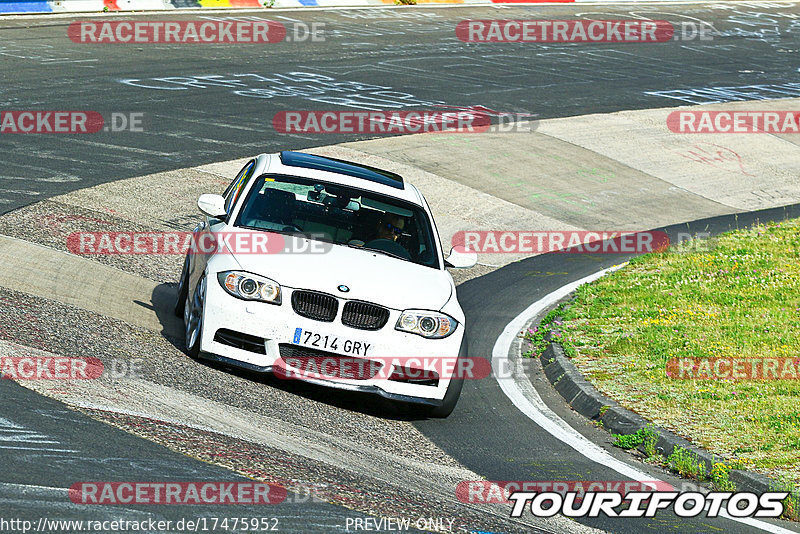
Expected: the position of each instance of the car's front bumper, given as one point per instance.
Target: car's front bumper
(328, 383)
(277, 324)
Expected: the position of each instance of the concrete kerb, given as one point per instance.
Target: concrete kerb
(63, 277)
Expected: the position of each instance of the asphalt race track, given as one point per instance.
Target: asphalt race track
(188, 122)
(209, 103)
(49, 463)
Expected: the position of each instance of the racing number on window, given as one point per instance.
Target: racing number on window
(235, 188)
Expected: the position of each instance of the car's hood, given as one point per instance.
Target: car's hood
(370, 276)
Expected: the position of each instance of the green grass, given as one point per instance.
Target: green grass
(738, 298)
(686, 464)
(646, 436)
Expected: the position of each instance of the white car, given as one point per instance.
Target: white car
(358, 275)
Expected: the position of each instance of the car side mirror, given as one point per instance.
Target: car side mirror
(212, 205)
(461, 260)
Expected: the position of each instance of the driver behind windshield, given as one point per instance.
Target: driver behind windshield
(390, 227)
(388, 230)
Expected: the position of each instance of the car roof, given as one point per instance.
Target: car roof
(343, 172)
(356, 170)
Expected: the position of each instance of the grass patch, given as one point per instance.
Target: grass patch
(719, 477)
(686, 464)
(738, 298)
(791, 503)
(552, 322)
(646, 437)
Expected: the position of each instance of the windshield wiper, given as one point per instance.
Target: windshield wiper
(298, 233)
(381, 252)
(273, 230)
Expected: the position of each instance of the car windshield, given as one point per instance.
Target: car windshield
(341, 215)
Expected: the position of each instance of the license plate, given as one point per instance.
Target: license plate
(307, 338)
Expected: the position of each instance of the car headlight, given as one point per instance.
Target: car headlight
(428, 324)
(248, 286)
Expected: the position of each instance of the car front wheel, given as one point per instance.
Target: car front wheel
(183, 289)
(193, 318)
(452, 394)
(450, 399)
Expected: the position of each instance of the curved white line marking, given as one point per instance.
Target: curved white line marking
(32, 488)
(525, 397)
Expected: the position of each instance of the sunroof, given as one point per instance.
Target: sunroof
(320, 163)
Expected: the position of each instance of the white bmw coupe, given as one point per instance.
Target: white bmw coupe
(326, 271)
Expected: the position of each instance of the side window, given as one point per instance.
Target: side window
(235, 188)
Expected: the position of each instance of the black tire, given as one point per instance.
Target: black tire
(193, 318)
(453, 390)
(183, 289)
(450, 400)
